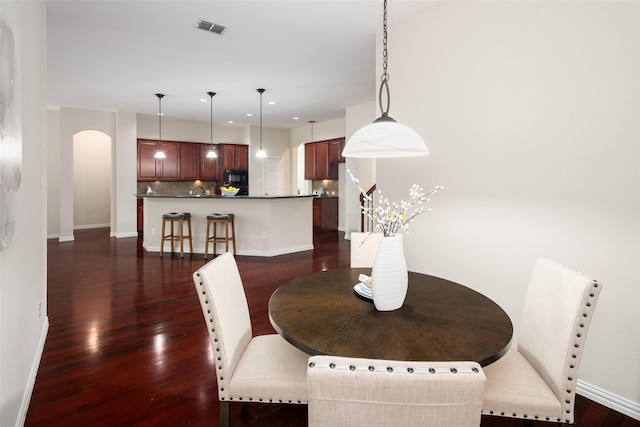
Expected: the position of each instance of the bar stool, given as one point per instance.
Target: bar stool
(178, 218)
(212, 221)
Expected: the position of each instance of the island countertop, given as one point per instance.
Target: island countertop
(194, 196)
(264, 225)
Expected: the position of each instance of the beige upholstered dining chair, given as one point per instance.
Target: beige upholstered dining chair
(537, 379)
(363, 251)
(264, 368)
(366, 392)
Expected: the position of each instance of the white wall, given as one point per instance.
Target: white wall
(23, 264)
(53, 172)
(174, 129)
(91, 180)
(530, 112)
(276, 144)
(124, 177)
(72, 121)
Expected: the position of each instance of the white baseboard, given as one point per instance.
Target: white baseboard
(66, 238)
(129, 234)
(608, 399)
(26, 398)
(200, 250)
(90, 226)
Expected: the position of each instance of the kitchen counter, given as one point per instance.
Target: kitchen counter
(193, 196)
(265, 225)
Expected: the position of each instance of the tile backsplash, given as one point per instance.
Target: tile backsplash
(176, 187)
(328, 185)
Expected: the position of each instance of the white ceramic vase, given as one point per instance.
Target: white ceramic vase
(389, 276)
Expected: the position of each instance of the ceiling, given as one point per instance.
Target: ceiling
(313, 57)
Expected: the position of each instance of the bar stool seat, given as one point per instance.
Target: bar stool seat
(176, 236)
(212, 222)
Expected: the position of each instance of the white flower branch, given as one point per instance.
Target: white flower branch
(389, 217)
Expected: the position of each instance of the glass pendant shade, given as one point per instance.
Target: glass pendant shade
(385, 138)
(160, 155)
(261, 154)
(212, 154)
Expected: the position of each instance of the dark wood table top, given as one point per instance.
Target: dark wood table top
(440, 320)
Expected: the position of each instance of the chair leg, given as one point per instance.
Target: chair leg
(224, 413)
(244, 409)
(162, 238)
(206, 241)
(233, 238)
(226, 235)
(215, 238)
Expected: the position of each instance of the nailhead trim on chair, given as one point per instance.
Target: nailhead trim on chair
(390, 369)
(204, 300)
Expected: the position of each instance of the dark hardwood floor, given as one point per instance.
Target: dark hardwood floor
(127, 344)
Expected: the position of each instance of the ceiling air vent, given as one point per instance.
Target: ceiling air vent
(211, 27)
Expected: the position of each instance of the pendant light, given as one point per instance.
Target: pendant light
(261, 153)
(159, 153)
(385, 137)
(212, 152)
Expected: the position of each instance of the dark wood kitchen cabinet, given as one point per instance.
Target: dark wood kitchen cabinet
(152, 169)
(325, 213)
(170, 166)
(190, 161)
(208, 166)
(234, 156)
(140, 215)
(242, 157)
(335, 150)
(316, 162)
(148, 165)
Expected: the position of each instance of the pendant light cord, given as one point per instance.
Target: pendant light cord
(261, 91)
(385, 61)
(211, 94)
(160, 96)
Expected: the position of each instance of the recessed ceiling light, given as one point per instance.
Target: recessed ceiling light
(272, 102)
(249, 115)
(203, 100)
(230, 122)
(211, 27)
(296, 118)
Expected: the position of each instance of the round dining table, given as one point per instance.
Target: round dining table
(320, 313)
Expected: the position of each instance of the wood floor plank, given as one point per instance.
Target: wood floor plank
(127, 344)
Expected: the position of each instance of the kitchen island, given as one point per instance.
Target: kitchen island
(265, 226)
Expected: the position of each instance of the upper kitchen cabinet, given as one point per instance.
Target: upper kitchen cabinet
(150, 168)
(148, 165)
(182, 161)
(208, 165)
(335, 150)
(234, 156)
(316, 162)
(170, 166)
(190, 161)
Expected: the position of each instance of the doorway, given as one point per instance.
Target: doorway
(91, 180)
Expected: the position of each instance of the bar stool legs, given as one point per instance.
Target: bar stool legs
(176, 236)
(212, 222)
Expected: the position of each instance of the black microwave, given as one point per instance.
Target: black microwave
(236, 178)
